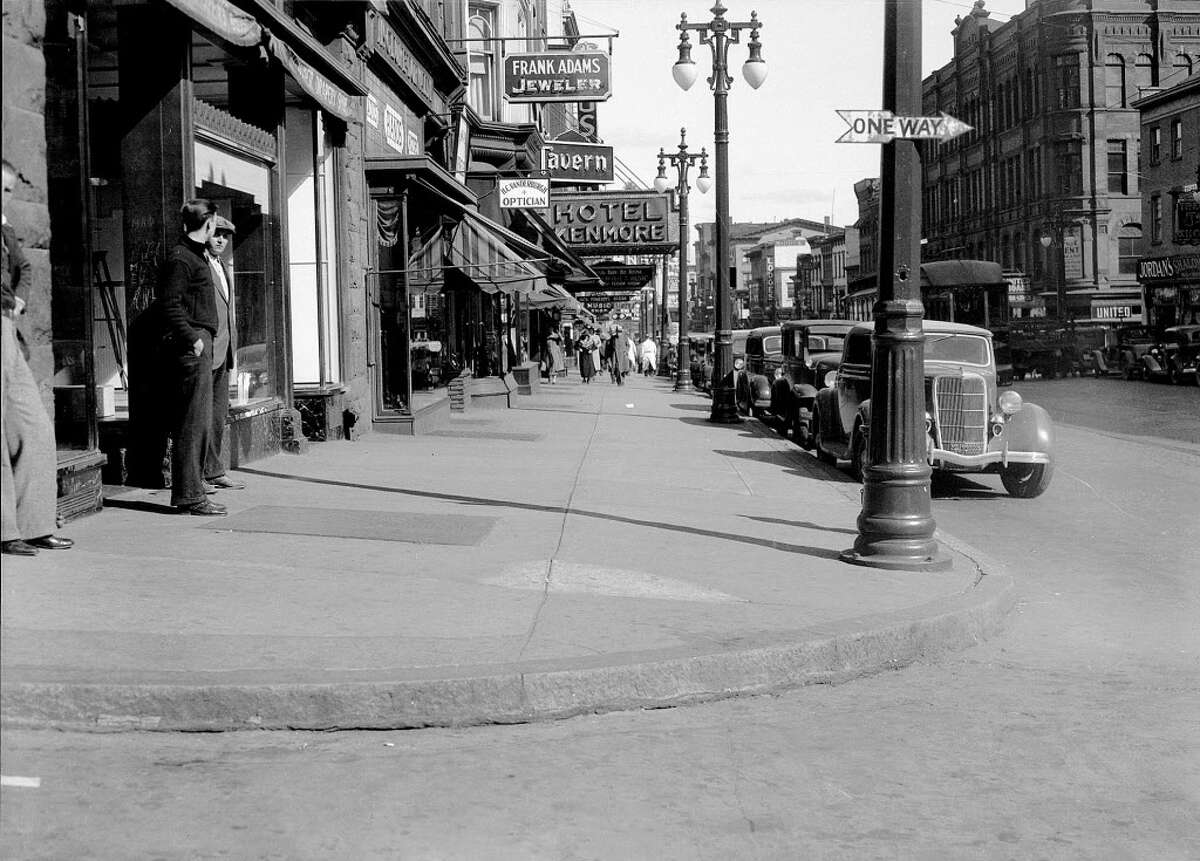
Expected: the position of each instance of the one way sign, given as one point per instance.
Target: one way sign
(884, 127)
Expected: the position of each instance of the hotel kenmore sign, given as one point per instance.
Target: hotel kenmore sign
(625, 222)
(557, 76)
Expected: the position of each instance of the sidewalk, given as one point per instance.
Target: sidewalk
(600, 547)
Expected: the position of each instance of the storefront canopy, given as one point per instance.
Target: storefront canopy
(475, 248)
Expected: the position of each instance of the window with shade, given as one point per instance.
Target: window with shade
(1129, 246)
(1144, 72)
(1176, 139)
(1117, 173)
(1068, 81)
(1156, 218)
(481, 28)
(1114, 81)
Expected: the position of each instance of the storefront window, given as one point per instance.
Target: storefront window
(312, 248)
(240, 188)
(392, 302)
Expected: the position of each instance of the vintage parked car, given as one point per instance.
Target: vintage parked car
(705, 371)
(809, 350)
(700, 357)
(971, 425)
(763, 357)
(1176, 358)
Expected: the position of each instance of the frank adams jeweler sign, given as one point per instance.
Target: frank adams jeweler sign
(557, 76)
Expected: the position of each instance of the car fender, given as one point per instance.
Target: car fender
(1029, 430)
(760, 388)
(804, 392)
(831, 417)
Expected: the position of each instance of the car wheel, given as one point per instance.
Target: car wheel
(822, 455)
(858, 456)
(1026, 480)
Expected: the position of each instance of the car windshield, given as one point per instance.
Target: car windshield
(772, 344)
(959, 349)
(821, 342)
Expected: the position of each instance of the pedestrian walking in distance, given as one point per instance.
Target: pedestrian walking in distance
(649, 350)
(29, 471)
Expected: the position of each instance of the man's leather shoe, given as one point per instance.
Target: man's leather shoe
(18, 547)
(203, 509)
(51, 542)
(224, 482)
(209, 489)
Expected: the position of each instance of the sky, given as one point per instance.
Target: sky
(821, 55)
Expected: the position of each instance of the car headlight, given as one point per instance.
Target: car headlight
(1010, 403)
(779, 373)
(739, 363)
(830, 379)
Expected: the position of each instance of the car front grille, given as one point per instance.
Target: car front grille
(961, 414)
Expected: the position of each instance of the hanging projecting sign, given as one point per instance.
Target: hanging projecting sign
(557, 76)
(615, 222)
(884, 127)
(524, 193)
(578, 162)
(622, 276)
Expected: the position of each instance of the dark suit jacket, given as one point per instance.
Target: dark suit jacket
(15, 270)
(187, 303)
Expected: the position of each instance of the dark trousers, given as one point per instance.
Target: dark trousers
(190, 379)
(214, 467)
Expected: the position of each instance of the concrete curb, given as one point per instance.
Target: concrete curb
(826, 654)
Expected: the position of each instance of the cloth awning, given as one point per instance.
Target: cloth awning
(551, 296)
(481, 256)
(579, 273)
(480, 250)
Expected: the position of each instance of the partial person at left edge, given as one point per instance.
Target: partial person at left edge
(29, 491)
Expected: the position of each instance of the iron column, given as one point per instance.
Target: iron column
(896, 526)
(719, 34)
(682, 161)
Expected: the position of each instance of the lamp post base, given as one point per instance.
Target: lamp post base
(937, 562)
(683, 386)
(724, 407)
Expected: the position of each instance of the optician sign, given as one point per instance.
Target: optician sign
(619, 222)
(557, 76)
(524, 193)
(578, 162)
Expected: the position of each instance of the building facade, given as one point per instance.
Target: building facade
(1047, 182)
(771, 281)
(1169, 271)
(743, 236)
(342, 142)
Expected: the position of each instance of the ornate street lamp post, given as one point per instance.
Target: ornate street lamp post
(719, 34)
(896, 526)
(682, 161)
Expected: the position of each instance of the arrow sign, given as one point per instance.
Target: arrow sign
(884, 127)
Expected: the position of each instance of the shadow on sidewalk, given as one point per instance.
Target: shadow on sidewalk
(800, 524)
(803, 549)
(141, 505)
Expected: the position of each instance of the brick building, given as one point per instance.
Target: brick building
(1047, 183)
(1170, 268)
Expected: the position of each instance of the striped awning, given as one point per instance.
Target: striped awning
(482, 253)
(551, 296)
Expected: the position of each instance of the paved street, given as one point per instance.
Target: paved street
(1073, 735)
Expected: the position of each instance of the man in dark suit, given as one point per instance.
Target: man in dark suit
(188, 310)
(224, 350)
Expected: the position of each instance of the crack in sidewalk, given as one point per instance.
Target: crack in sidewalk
(562, 531)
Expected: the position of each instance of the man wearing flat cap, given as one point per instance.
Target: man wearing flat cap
(224, 349)
(188, 311)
